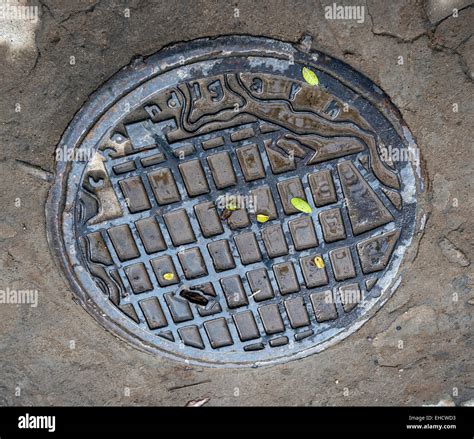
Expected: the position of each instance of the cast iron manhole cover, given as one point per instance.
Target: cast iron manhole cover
(232, 201)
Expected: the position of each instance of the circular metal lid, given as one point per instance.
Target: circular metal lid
(234, 201)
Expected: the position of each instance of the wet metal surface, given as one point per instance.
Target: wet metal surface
(179, 232)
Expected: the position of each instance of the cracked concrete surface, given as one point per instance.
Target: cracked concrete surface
(418, 349)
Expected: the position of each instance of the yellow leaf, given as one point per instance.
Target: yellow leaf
(261, 218)
(310, 77)
(301, 205)
(168, 276)
(231, 205)
(319, 261)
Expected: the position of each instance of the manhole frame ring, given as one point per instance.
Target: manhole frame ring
(141, 70)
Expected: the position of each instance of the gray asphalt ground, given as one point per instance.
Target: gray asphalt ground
(56, 354)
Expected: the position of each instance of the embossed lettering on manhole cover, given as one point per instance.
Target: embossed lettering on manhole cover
(234, 201)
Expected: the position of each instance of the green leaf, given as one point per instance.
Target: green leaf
(301, 205)
(310, 77)
(168, 276)
(262, 218)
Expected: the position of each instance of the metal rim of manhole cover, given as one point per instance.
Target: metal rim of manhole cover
(235, 201)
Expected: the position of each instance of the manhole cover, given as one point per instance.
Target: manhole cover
(234, 201)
